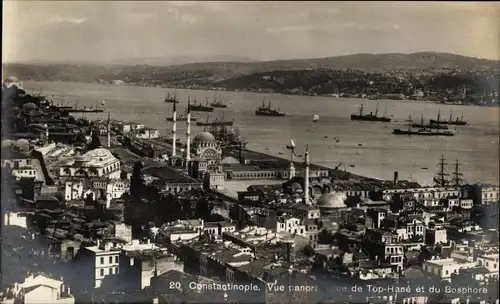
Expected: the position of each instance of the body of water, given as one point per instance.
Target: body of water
(365, 148)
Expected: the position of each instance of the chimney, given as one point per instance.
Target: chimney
(396, 177)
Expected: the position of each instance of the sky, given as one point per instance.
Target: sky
(89, 31)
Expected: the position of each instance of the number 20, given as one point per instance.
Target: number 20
(175, 285)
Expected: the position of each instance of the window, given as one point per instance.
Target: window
(110, 259)
(116, 259)
(102, 272)
(102, 260)
(112, 271)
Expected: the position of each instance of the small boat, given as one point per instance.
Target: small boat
(352, 166)
(326, 137)
(424, 168)
(315, 118)
(360, 145)
(280, 153)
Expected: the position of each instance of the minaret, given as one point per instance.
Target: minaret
(174, 130)
(306, 178)
(188, 133)
(109, 131)
(291, 147)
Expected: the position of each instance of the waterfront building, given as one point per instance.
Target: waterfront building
(95, 163)
(126, 127)
(147, 133)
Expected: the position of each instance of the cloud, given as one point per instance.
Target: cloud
(59, 19)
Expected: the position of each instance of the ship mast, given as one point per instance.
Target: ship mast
(361, 110)
(451, 116)
(440, 179)
(439, 116)
(376, 110)
(422, 119)
(457, 180)
(410, 122)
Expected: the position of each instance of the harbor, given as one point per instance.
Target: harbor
(191, 152)
(376, 138)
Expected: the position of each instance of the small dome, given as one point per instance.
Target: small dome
(204, 137)
(332, 200)
(81, 159)
(295, 186)
(11, 79)
(23, 144)
(29, 106)
(7, 143)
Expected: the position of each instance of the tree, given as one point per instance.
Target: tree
(137, 181)
(308, 250)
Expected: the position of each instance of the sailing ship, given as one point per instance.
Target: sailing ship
(266, 110)
(198, 107)
(228, 137)
(221, 122)
(429, 125)
(455, 122)
(315, 118)
(171, 98)
(218, 104)
(422, 131)
(441, 179)
(182, 117)
(371, 116)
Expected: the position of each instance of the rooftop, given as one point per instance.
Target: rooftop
(169, 175)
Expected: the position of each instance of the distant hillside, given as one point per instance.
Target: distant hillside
(179, 60)
(206, 73)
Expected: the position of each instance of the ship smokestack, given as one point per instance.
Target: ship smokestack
(174, 130)
(396, 179)
(188, 133)
(306, 178)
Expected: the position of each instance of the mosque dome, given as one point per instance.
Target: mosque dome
(99, 153)
(23, 144)
(332, 200)
(203, 137)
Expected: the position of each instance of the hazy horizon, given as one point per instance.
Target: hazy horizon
(106, 31)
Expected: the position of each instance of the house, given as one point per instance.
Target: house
(39, 289)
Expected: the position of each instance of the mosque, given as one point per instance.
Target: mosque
(202, 156)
